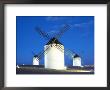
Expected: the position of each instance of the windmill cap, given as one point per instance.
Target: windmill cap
(76, 55)
(35, 56)
(54, 40)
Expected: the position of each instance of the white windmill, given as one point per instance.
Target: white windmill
(77, 60)
(54, 58)
(35, 60)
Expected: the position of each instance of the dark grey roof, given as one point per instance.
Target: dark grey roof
(53, 40)
(76, 55)
(35, 56)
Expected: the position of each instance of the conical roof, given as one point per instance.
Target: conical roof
(53, 40)
(76, 55)
(35, 56)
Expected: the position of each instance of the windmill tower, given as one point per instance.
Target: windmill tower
(35, 60)
(77, 60)
(54, 59)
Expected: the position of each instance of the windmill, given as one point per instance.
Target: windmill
(54, 59)
(77, 60)
(35, 59)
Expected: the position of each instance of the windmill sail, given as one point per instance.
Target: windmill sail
(42, 33)
(57, 36)
(66, 51)
(40, 54)
(62, 30)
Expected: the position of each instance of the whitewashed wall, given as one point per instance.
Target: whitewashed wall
(54, 58)
(77, 61)
(35, 61)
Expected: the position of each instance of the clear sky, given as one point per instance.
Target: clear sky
(79, 38)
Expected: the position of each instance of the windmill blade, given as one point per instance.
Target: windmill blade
(40, 54)
(67, 52)
(42, 33)
(60, 48)
(58, 35)
(62, 30)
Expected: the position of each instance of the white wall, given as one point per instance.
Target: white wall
(35, 61)
(77, 61)
(54, 58)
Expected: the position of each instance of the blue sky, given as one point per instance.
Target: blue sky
(79, 38)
